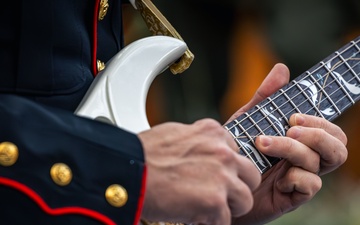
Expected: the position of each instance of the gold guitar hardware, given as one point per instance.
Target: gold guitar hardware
(159, 25)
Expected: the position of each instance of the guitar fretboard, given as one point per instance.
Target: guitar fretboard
(326, 90)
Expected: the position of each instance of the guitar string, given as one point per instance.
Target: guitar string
(333, 69)
(289, 87)
(305, 77)
(311, 96)
(336, 90)
(319, 91)
(307, 112)
(339, 63)
(264, 130)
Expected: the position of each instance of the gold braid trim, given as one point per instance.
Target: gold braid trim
(159, 25)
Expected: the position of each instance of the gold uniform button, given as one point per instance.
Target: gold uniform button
(103, 8)
(61, 174)
(116, 195)
(9, 154)
(100, 65)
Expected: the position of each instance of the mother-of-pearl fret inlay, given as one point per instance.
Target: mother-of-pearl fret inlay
(325, 90)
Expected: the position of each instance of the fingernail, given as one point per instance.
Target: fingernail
(299, 119)
(265, 141)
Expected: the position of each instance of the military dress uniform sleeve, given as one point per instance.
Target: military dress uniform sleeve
(58, 168)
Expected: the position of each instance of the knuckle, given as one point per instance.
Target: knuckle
(342, 136)
(343, 154)
(212, 125)
(247, 201)
(208, 123)
(216, 202)
(318, 184)
(288, 145)
(323, 123)
(224, 154)
(318, 136)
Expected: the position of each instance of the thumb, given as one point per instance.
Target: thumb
(277, 78)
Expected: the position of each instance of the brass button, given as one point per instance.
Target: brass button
(100, 65)
(61, 174)
(116, 195)
(9, 154)
(103, 8)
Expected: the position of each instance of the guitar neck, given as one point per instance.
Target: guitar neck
(326, 90)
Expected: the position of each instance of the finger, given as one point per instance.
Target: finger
(217, 214)
(223, 218)
(277, 78)
(332, 151)
(214, 128)
(247, 172)
(302, 185)
(316, 122)
(240, 198)
(292, 150)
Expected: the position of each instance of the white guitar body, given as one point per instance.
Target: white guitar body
(118, 93)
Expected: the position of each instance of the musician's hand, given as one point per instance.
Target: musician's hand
(194, 174)
(312, 147)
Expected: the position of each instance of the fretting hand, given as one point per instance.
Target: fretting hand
(312, 147)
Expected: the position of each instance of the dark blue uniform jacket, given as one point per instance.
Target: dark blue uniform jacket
(48, 55)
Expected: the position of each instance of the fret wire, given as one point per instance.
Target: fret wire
(355, 45)
(358, 64)
(350, 67)
(235, 138)
(346, 92)
(244, 130)
(268, 119)
(341, 99)
(309, 100)
(338, 89)
(291, 102)
(247, 153)
(240, 144)
(329, 72)
(254, 123)
(347, 64)
(326, 68)
(305, 77)
(278, 109)
(326, 95)
(243, 149)
(284, 92)
(251, 140)
(341, 86)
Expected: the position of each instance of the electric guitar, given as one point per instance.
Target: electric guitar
(118, 94)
